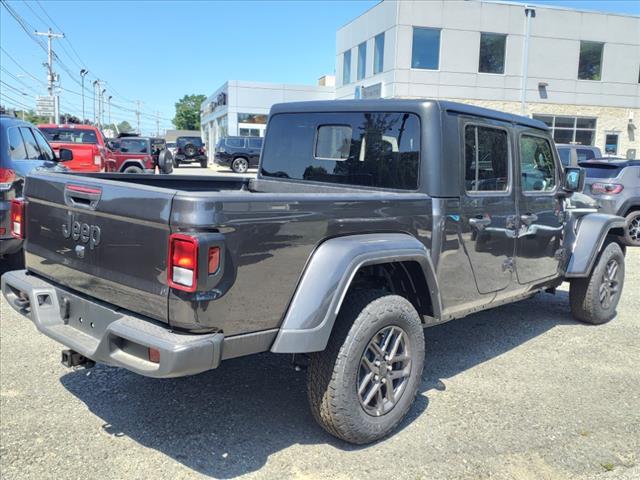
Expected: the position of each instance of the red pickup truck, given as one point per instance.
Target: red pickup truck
(85, 141)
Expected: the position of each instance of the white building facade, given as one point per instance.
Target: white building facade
(577, 71)
(240, 108)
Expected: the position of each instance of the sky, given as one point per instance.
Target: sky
(157, 51)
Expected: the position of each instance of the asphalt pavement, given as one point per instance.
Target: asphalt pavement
(519, 392)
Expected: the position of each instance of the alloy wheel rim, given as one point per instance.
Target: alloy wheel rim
(241, 164)
(383, 374)
(610, 285)
(634, 229)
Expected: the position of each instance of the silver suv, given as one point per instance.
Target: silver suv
(615, 184)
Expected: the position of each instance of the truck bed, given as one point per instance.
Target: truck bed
(269, 229)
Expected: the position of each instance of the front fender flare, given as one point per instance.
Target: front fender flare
(587, 243)
(310, 317)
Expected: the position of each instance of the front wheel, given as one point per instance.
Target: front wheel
(363, 384)
(240, 165)
(594, 299)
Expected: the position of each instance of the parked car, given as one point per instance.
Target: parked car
(85, 141)
(134, 154)
(364, 226)
(23, 149)
(190, 150)
(239, 153)
(571, 155)
(615, 185)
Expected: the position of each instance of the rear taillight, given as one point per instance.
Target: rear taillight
(97, 157)
(183, 262)
(17, 218)
(179, 150)
(7, 177)
(606, 188)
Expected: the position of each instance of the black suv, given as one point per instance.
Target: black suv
(239, 153)
(190, 150)
(23, 148)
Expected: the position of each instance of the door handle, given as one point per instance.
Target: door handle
(480, 222)
(528, 218)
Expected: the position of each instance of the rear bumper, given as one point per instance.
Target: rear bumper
(9, 246)
(198, 158)
(107, 335)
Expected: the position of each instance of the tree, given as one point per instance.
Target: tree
(188, 112)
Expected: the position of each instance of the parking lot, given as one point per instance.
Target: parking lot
(520, 392)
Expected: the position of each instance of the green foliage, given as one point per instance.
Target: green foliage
(188, 112)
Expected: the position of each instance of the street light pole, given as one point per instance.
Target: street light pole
(109, 104)
(95, 87)
(83, 73)
(102, 105)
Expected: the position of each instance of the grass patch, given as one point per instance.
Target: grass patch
(608, 466)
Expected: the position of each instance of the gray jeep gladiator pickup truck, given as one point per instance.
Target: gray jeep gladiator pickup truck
(368, 221)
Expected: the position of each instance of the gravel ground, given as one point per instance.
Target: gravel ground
(519, 392)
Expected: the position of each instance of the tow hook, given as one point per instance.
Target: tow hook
(71, 358)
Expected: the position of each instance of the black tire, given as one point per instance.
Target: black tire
(133, 169)
(594, 299)
(165, 162)
(190, 150)
(240, 165)
(335, 374)
(632, 229)
(203, 163)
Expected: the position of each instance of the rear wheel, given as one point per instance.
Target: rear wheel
(240, 165)
(364, 383)
(203, 163)
(632, 229)
(594, 299)
(133, 169)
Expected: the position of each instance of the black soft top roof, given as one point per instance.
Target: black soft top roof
(417, 106)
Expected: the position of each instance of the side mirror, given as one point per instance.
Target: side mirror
(573, 180)
(64, 155)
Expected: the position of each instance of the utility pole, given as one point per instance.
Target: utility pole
(51, 75)
(157, 124)
(96, 85)
(109, 104)
(83, 73)
(529, 14)
(138, 115)
(102, 106)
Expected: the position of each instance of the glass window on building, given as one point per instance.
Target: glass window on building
(249, 132)
(590, 64)
(346, 67)
(493, 48)
(362, 60)
(611, 144)
(378, 54)
(257, 118)
(425, 49)
(565, 129)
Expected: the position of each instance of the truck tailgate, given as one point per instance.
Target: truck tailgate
(105, 238)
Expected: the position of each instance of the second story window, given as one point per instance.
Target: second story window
(493, 47)
(590, 64)
(362, 60)
(346, 67)
(378, 54)
(425, 50)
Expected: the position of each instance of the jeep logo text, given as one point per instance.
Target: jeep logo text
(82, 232)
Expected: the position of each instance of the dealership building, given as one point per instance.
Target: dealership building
(578, 71)
(241, 108)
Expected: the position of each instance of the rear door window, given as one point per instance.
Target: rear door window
(33, 151)
(17, 148)
(133, 145)
(235, 142)
(69, 135)
(486, 159)
(255, 142)
(374, 149)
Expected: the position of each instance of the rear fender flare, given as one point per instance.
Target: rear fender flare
(312, 312)
(131, 163)
(588, 241)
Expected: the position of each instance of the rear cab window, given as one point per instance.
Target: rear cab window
(134, 145)
(372, 149)
(17, 148)
(69, 135)
(585, 154)
(234, 142)
(182, 141)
